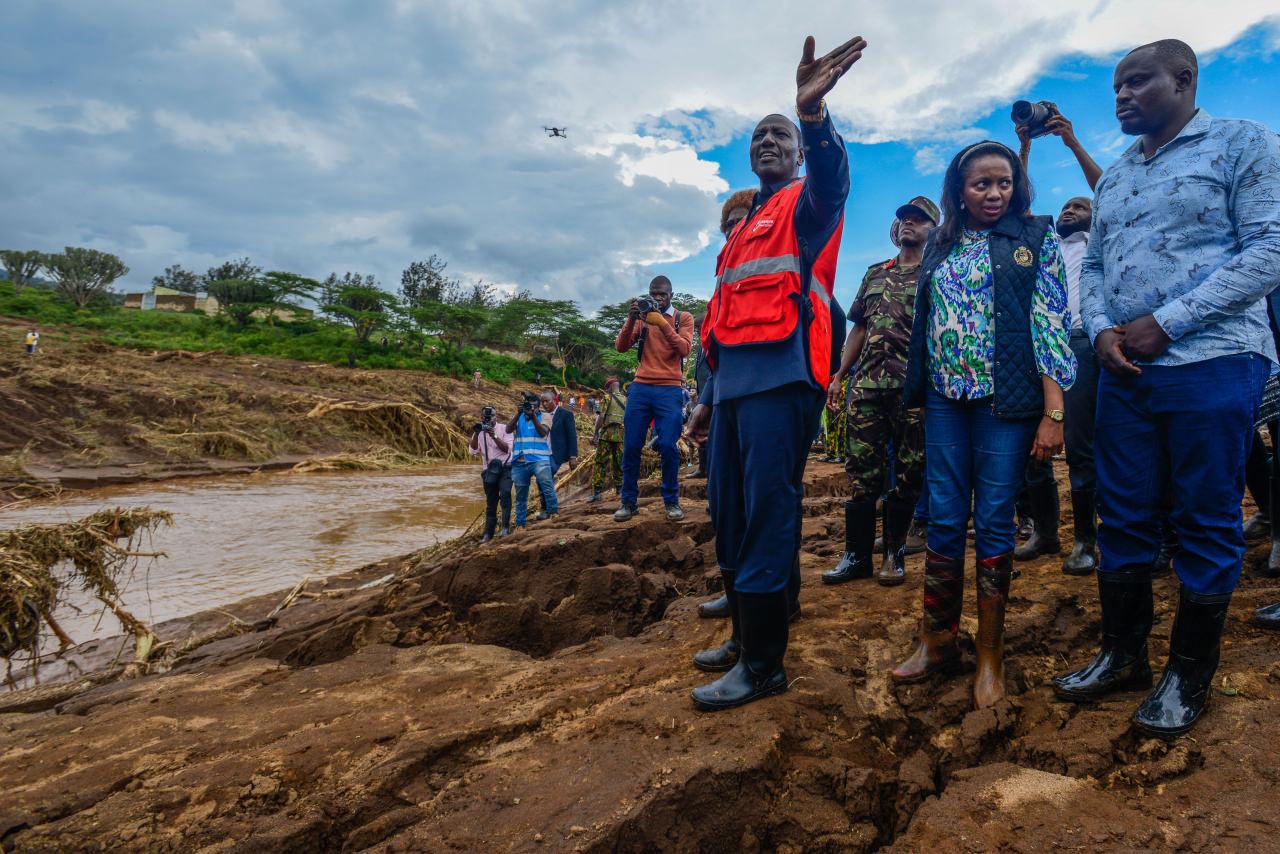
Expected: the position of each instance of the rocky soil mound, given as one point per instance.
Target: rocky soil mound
(532, 695)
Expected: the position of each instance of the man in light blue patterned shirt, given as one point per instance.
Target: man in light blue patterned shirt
(1184, 249)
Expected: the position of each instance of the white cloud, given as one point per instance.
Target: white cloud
(361, 136)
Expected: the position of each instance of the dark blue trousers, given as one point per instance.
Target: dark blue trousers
(759, 445)
(664, 405)
(1185, 429)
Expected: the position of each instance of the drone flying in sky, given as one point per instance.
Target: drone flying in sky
(560, 132)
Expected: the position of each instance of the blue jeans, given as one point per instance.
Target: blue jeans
(664, 405)
(521, 474)
(1184, 429)
(922, 506)
(973, 459)
(755, 491)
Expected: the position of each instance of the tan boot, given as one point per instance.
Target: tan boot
(993, 594)
(943, 599)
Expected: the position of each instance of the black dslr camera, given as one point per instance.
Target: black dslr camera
(1034, 115)
(529, 404)
(645, 305)
(486, 420)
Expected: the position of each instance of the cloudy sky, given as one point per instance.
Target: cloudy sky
(334, 136)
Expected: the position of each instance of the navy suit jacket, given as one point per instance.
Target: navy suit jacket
(564, 437)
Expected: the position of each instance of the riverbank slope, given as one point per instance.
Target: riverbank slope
(532, 695)
(83, 413)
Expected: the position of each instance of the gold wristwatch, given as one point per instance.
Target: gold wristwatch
(1055, 415)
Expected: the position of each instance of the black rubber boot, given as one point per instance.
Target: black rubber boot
(1180, 698)
(759, 672)
(1257, 468)
(897, 519)
(1122, 663)
(1267, 617)
(490, 524)
(859, 537)
(723, 657)
(1168, 547)
(1272, 569)
(1084, 554)
(793, 590)
(716, 609)
(1044, 514)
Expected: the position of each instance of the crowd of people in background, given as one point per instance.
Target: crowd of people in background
(1136, 330)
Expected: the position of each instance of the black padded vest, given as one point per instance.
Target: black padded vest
(1018, 389)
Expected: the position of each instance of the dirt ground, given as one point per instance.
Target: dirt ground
(84, 414)
(532, 695)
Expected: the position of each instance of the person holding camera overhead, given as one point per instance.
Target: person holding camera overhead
(663, 337)
(491, 441)
(531, 457)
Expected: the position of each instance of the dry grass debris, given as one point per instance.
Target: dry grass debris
(401, 425)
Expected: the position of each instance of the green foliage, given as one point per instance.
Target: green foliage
(244, 270)
(365, 307)
(175, 277)
(83, 274)
(23, 265)
(240, 298)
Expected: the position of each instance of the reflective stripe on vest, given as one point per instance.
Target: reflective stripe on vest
(758, 279)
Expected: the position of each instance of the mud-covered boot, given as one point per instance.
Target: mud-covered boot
(1044, 514)
(1272, 569)
(793, 590)
(716, 609)
(1084, 554)
(1267, 617)
(1121, 663)
(897, 519)
(721, 658)
(936, 650)
(759, 673)
(1168, 548)
(1182, 694)
(994, 574)
(859, 537)
(917, 536)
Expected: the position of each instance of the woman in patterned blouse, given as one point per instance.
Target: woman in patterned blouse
(989, 361)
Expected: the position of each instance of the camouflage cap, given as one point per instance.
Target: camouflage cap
(922, 205)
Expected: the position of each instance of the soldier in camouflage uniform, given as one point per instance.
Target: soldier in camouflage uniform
(875, 360)
(608, 439)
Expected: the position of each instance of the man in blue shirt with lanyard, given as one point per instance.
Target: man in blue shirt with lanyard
(767, 381)
(531, 458)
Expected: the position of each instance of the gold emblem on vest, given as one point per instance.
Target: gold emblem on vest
(1022, 256)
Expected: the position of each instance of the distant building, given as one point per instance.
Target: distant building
(168, 299)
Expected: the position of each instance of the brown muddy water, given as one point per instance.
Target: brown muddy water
(241, 536)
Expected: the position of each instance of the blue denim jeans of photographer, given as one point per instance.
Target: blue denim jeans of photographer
(1185, 430)
(663, 405)
(521, 474)
(973, 459)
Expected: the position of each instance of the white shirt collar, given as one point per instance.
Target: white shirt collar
(1076, 237)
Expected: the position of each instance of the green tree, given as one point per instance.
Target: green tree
(183, 281)
(240, 298)
(424, 282)
(291, 289)
(365, 307)
(243, 270)
(456, 324)
(82, 274)
(330, 290)
(22, 266)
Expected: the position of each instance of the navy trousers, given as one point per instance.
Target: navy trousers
(759, 445)
(664, 406)
(1081, 403)
(1184, 429)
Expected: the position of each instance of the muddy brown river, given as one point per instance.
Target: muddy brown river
(240, 536)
